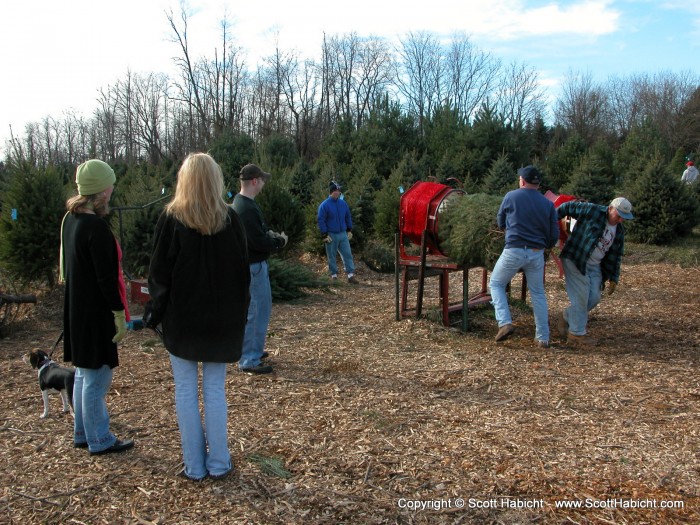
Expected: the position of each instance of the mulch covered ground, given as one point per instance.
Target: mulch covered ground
(369, 420)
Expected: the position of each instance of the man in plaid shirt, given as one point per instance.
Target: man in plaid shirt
(591, 256)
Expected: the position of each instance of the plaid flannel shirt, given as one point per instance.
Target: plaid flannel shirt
(590, 224)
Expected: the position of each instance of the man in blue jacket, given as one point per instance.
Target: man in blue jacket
(335, 223)
(591, 256)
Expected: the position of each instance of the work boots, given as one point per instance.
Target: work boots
(562, 325)
(582, 340)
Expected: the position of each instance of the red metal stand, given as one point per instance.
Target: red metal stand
(418, 268)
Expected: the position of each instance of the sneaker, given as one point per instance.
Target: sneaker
(562, 325)
(334, 277)
(542, 344)
(585, 340)
(352, 280)
(120, 445)
(260, 369)
(504, 332)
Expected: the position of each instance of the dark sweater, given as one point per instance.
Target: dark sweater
(199, 290)
(529, 219)
(261, 240)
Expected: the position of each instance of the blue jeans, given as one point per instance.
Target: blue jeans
(531, 262)
(583, 292)
(339, 244)
(259, 312)
(195, 438)
(91, 424)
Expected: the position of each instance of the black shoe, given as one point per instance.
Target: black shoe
(260, 369)
(182, 474)
(225, 475)
(80, 445)
(119, 446)
(264, 355)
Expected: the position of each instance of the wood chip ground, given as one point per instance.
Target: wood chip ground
(370, 420)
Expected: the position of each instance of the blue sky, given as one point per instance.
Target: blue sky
(57, 55)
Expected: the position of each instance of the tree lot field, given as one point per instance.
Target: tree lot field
(372, 420)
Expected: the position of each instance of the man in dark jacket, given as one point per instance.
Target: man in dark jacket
(335, 223)
(261, 243)
(591, 256)
(531, 226)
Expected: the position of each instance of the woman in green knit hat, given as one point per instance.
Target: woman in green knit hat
(95, 313)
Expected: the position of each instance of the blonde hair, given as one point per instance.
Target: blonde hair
(80, 203)
(198, 202)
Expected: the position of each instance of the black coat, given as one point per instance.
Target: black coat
(92, 291)
(199, 290)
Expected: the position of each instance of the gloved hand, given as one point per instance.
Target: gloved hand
(119, 324)
(611, 287)
(327, 239)
(349, 236)
(285, 237)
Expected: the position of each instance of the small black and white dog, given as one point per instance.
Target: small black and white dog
(53, 378)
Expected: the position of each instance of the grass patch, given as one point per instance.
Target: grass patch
(684, 251)
(271, 466)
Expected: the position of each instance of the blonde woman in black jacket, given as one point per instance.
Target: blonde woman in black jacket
(198, 282)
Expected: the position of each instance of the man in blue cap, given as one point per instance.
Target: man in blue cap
(591, 256)
(531, 226)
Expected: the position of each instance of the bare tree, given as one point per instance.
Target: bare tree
(662, 98)
(373, 76)
(191, 92)
(658, 99)
(520, 98)
(625, 109)
(419, 74)
(583, 107)
(298, 85)
(105, 142)
(470, 75)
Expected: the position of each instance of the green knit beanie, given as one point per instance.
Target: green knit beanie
(94, 176)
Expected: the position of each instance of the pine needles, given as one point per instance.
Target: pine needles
(290, 280)
(469, 231)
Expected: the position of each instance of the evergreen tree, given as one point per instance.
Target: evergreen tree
(339, 147)
(663, 208)
(290, 280)
(32, 209)
(282, 212)
(501, 177)
(232, 152)
(360, 196)
(468, 231)
(386, 136)
(279, 153)
(589, 182)
(138, 199)
(642, 147)
(562, 162)
(388, 199)
(302, 182)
